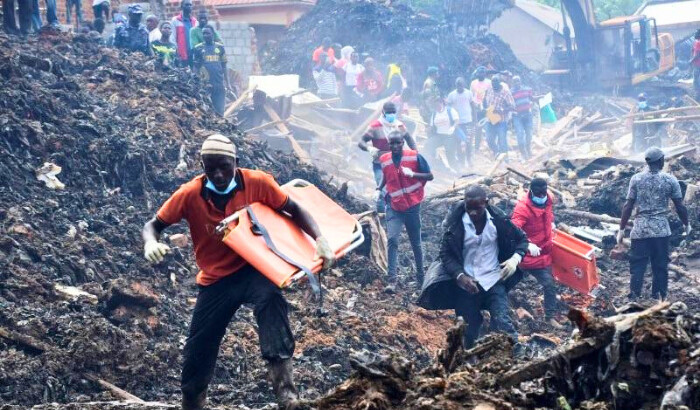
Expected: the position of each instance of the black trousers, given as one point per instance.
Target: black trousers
(216, 305)
(641, 253)
(25, 16)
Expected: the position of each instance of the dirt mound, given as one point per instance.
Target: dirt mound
(390, 35)
(125, 138)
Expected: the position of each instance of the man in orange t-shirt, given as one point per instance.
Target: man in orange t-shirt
(325, 47)
(226, 281)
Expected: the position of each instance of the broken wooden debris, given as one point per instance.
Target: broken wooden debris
(576, 349)
(239, 102)
(263, 126)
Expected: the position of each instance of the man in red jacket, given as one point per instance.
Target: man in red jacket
(534, 216)
(404, 174)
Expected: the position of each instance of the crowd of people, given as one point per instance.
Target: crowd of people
(184, 41)
(455, 121)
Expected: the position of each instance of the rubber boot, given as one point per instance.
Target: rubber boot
(280, 373)
(194, 403)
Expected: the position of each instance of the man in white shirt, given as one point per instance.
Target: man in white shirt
(479, 256)
(154, 33)
(443, 123)
(461, 100)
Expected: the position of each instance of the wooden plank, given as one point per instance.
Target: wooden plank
(241, 99)
(116, 391)
(664, 111)
(298, 150)
(264, 126)
(357, 133)
(565, 122)
(586, 122)
(320, 102)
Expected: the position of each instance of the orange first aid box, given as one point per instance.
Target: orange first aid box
(573, 263)
(243, 235)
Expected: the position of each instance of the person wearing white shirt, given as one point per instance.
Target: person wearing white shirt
(443, 123)
(154, 33)
(461, 100)
(479, 256)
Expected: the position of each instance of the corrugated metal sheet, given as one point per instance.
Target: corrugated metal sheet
(673, 12)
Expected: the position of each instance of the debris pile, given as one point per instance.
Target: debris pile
(639, 358)
(94, 140)
(396, 34)
(80, 305)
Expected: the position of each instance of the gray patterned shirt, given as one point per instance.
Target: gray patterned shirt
(651, 192)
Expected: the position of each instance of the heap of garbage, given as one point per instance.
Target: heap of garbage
(93, 140)
(396, 34)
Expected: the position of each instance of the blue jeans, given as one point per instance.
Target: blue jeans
(522, 123)
(378, 176)
(395, 221)
(51, 17)
(78, 10)
(497, 137)
(544, 277)
(495, 300)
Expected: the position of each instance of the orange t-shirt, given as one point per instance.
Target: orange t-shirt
(192, 202)
(317, 54)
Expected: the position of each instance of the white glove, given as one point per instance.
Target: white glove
(155, 251)
(324, 251)
(408, 172)
(554, 226)
(620, 235)
(509, 267)
(688, 229)
(374, 152)
(533, 249)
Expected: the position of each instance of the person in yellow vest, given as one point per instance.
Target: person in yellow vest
(404, 174)
(226, 280)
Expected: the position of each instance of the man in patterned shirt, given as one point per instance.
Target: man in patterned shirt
(650, 191)
(209, 60)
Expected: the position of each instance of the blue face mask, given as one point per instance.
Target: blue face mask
(642, 105)
(231, 186)
(390, 117)
(539, 200)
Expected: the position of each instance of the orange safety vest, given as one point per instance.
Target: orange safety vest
(403, 192)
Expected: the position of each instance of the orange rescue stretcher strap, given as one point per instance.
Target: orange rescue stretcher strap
(274, 245)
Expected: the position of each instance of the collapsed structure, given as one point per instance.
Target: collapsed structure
(85, 319)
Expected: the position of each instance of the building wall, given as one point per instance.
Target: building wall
(277, 15)
(531, 40)
(239, 41)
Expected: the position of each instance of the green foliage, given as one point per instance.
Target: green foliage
(605, 9)
(430, 7)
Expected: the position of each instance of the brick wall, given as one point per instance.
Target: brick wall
(239, 41)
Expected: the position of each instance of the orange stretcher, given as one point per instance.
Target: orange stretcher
(278, 248)
(573, 263)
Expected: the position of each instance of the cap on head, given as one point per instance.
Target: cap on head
(151, 17)
(389, 107)
(135, 9)
(653, 154)
(642, 97)
(218, 144)
(432, 70)
(538, 183)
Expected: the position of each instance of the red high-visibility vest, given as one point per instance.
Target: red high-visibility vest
(403, 192)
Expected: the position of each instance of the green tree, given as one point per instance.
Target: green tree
(606, 9)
